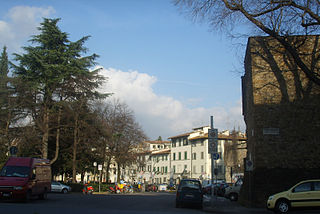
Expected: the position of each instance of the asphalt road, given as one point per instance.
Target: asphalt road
(141, 203)
(98, 204)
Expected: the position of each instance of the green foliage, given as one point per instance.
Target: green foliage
(75, 187)
(56, 74)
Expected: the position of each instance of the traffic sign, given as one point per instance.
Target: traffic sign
(249, 165)
(13, 150)
(215, 156)
(212, 140)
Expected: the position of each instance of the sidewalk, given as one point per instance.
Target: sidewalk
(223, 205)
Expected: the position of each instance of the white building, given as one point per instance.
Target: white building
(190, 157)
(184, 156)
(153, 165)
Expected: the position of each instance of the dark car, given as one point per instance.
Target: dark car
(189, 192)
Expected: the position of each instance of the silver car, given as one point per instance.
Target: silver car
(59, 187)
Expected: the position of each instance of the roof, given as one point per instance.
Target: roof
(161, 152)
(181, 135)
(220, 137)
(157, 142)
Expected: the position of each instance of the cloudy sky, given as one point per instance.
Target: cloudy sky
(173, 73)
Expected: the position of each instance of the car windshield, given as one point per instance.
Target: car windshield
(190, 184)
(15, 171)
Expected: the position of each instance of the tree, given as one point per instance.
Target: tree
(278, 19)
(55, 71)
(123, 134)
(4, 96)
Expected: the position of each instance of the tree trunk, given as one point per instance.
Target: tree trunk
(118, 173)
(74, 158)
(108, 168)
(57, 138)
(45, 135)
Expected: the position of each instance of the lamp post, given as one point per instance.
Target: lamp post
(100, 169)
(94, 171)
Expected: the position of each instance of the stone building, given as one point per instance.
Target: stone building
(282, 114)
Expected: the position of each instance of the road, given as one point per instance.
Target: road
(142, 203)
(98, 204)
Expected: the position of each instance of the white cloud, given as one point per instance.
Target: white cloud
(162, 115)
(19, 24)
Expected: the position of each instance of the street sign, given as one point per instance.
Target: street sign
(13, 150)
(249, 165)
(215, 156)
(212, 140)
(99, 167)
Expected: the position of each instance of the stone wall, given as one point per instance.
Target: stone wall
(282, 114)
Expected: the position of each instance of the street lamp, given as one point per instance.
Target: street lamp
(94, 171)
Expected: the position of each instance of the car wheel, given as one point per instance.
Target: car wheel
(44, 195)
(233, 197)
(178, 205)
(64, 191)
(282, 206)
(28, 196)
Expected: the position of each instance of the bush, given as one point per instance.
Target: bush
(75, 187)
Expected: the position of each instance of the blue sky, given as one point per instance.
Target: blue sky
(173, 73)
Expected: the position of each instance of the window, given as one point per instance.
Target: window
(174, 143)
(185, 155)
(190, 184)
(194, 169)
(179, 142)
(179, 155)
(185, 167)
(194, 156)
(158, 169)
(174, 156)
(317, 186)
(174, 169)
(154, 169)
(201, 142)
(303, 187)
(166, 169)
(202, 155)
(202, 168)
(185, 142)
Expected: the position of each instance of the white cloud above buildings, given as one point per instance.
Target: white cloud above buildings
(19, 23)
(163, 115)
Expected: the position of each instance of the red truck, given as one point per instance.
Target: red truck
(24, 177)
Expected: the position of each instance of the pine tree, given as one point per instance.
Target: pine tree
(3, 104)
(56, 72)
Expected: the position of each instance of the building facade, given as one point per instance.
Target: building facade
(281, 112)
(190, 157)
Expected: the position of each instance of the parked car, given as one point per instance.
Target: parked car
(304, 194)
(232, 192)
(163, 187)
(59, 187)
(189, 192)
